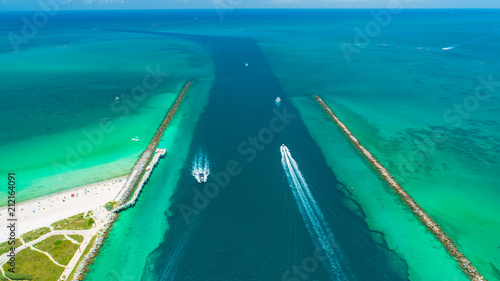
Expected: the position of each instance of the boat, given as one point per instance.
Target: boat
(117, 98)
(200, 169)
(277, 101)
(246, 64)
(136, 138)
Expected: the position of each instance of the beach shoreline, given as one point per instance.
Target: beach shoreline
(45, 210)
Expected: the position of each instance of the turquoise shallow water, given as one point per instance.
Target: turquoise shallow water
(398, 97)
(394, 95)
(59, 97)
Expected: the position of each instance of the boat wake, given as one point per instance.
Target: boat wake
(200, 169)
(170, 270)
(470, 41)
(313, 217)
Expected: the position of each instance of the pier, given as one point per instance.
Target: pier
(159, 153)
(464, 263)
(144, 166)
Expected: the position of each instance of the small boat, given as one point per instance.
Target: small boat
(117, 98)
(136, 138)
(277, 101)
(246, 64)
(202, 177)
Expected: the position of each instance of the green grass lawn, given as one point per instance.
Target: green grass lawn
(76, 222)
(60, 248)
(5, 247)
(35, 234)
(76, 237)
(35, 264)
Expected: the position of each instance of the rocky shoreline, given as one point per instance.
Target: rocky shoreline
(82, 269)
(448, 244)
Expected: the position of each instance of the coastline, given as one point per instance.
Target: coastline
(136, 179)
(45, 210)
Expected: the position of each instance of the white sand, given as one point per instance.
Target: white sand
(43, 211)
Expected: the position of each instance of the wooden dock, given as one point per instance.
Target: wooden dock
(464, 263)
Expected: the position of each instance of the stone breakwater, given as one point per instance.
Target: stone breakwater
(134, 178)
(83, 268)
(140, 166)
(464, 263)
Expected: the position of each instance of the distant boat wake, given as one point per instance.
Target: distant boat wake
(200, 169)
(313, 217)
(468, 41)
(170, 270)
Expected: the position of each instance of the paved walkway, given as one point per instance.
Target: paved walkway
(48, 255)
(99, 223)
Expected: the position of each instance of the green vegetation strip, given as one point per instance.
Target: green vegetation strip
(76, 222)
(77, 237)
(34, 234)
(31, 264)
(60, 248)
(5, 246)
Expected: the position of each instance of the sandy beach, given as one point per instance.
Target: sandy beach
(43, 211)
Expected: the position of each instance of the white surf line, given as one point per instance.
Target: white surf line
(312, 215)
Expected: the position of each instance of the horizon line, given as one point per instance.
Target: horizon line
(261, 8)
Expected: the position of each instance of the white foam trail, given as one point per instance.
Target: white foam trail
(469, 41)
(313, 216)
(200, 166)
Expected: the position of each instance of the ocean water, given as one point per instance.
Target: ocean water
(394, 94)
(398, 95)
(60, 90)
